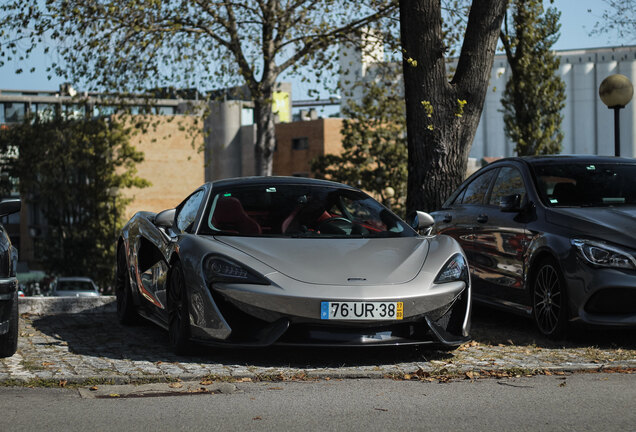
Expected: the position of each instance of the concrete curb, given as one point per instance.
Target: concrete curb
(66, 305)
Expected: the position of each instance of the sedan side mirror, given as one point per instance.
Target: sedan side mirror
(422, 221)
(510, 203)
(165, 219)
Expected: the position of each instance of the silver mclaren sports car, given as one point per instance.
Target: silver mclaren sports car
(283, 260)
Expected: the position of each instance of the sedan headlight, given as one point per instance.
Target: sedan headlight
(219, 269)
(605, 255)
(455, 269)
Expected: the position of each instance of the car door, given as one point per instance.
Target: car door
(502, 239)
(156, 248)
(459, 218)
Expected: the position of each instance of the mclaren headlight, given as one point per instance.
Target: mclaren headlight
(455, 269)
(605, 255)
(220, 269)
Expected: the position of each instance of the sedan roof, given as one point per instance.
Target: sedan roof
(276, 180)
(567, 158)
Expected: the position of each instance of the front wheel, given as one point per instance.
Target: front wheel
(126, 313)
(178, 312)
(549, 300)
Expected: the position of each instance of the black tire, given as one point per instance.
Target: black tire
(178, 312)
(549, 300)
(9, 340)
(126, 313)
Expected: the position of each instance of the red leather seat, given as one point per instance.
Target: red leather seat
(229, 215)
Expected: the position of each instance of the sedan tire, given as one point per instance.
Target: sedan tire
(9, 340)
(549, 300)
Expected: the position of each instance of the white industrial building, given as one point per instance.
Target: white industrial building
(588, 125)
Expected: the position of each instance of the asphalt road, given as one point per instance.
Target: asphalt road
(585, 401)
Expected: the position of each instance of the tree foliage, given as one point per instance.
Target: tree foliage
(534, 94)
(141, 44)
(74, 171)
(442, 115)
(618, 18)
(374, 144)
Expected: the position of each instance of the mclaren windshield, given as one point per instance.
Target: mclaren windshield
(586, 184)
(287, 210)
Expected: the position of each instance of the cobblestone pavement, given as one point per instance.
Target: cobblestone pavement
(89, 347)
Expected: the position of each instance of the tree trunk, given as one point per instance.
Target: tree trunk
(439, 138)
(265, 134)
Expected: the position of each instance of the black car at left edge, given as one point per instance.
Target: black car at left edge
(551, 237)
(8, 285)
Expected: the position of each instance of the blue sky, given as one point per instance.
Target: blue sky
(576, 25)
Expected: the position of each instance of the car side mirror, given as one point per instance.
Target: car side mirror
(10, 206)
(422, 221)
(165, 219)
(510, 203)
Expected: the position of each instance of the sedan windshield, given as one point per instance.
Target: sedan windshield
(586, 184)
(300, 211)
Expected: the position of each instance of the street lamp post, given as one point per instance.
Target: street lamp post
(616, 91)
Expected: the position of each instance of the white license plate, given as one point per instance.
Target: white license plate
(362, 310)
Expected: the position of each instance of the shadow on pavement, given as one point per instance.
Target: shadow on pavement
(495, 327)
(99, 334)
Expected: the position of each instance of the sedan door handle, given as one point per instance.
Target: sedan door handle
(482, 218)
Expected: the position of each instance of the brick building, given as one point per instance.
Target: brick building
(297, 143)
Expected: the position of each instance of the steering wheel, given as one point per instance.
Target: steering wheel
(336, 225)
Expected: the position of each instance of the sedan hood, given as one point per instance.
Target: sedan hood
(614, 224)
(338, 261)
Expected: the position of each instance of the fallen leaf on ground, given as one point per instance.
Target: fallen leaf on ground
(47, 363)
(206, 382)
(114, 395)
(472, 375)
(275, 388)
(257, 418)
(63, 383)
(93, 388)
(175, 385)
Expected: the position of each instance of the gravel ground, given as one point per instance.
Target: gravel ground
(92, 347)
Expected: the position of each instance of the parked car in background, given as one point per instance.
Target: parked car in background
(74, 287)
(285, 260)
(552, 237)
(8, 285)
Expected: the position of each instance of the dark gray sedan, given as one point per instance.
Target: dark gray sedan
(550, 237)
(8, 285)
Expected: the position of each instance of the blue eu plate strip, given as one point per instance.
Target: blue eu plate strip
(324, 310)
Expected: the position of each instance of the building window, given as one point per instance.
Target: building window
(14, 112)
(104, 110)
(165, 110)
(44, 112)
(74, 112)
(247, 116)
(300, 143)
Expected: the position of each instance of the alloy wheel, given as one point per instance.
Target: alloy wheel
(548, 301)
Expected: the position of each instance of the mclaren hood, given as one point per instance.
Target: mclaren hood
(338, 261)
